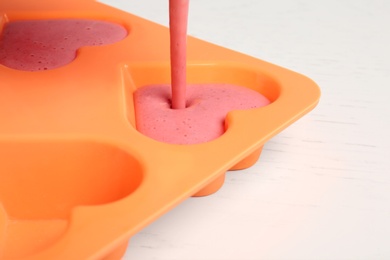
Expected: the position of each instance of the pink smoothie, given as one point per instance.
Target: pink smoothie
(34, 45)
(203, 118)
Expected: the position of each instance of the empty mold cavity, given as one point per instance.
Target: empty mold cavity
(34, 45)
(42, 182)
(215, 74)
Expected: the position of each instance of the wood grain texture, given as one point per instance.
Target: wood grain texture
(321, 189)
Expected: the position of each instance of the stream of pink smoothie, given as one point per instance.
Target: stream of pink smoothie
(34, 45)
(178, 17)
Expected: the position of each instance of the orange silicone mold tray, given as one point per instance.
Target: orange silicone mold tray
(77, 179)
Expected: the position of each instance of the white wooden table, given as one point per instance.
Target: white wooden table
(321, 189)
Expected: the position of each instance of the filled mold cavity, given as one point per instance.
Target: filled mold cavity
(41, 182)
(35, 45)
(212, 91)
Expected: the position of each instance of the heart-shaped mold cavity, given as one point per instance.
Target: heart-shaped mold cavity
(41, 182)
(219, 88)
(33, 45)
(203, 119)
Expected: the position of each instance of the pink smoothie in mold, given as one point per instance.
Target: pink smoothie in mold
(33, 45)
(188, 114)
(203, 118)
